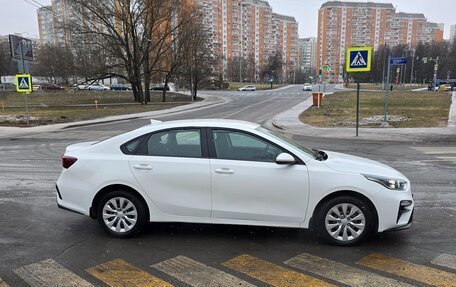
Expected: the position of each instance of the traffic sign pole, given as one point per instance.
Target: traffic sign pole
(388, 74)
(357, 106)
(26, 109)
(358, 59)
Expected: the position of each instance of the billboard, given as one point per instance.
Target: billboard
(21, 48)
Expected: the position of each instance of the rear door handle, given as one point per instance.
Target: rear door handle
(143, 167)
(224, 171)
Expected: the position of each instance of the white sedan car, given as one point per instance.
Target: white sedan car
(98, 87)
(307, 87)
(230, 172)
(250, 88)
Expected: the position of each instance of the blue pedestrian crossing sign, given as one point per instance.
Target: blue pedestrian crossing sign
(359, 59)
(24, 83)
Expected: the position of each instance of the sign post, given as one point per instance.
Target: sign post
(24, 85)
(358, 59)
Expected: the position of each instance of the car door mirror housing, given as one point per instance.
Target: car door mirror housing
(285, 158)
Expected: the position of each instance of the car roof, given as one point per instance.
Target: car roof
(223, 123)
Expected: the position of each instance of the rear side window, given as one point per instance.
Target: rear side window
(132, 146)
(175, 143)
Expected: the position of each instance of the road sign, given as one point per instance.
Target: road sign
(24, 83)
(21, 48)
(398, 61)
(359, 59)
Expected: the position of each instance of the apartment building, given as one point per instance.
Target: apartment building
(46, 25)
(307, 53)
(51, 23)
(345, 24)
(247, 31)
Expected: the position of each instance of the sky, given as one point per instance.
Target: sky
(19, 16)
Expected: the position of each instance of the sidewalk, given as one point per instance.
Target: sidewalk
(6, 132)
(289, 121)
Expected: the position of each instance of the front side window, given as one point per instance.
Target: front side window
(175, 143)
(234, 145)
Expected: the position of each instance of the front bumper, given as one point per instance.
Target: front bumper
(407, 226)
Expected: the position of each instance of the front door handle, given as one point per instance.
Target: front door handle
(143, 167)
(224, 170)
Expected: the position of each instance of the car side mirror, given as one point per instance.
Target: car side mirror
(285, 158)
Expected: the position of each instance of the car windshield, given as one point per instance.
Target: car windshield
(283, 138)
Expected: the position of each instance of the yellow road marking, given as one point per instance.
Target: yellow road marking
(421, 273)
(272, 274)
(3, 283)
(341, 273)
(119, 273)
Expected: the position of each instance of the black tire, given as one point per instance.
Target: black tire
(128, 222)
(348, 227)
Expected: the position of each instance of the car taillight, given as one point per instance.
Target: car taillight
(68, 161)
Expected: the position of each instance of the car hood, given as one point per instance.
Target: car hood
(353, 164)
(78, 146)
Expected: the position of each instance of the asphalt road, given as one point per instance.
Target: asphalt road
(64, 246)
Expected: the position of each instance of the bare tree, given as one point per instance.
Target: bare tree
(55, 63)
(134, 35)
(201, 61)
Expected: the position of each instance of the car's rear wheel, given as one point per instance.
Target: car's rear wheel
(122, 214)
(345, 221)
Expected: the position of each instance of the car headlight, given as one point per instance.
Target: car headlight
(390, 183)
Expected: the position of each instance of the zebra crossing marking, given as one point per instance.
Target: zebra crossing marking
(436, 150)
(417, 272)
(342, 273)
(272, 274)
(445, 260)
(50, 273)
(197, 274)
(119, 273)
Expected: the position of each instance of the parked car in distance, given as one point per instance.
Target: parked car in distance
(307, 87)
(230, 172)
(97, 87)
(7, 87)
(248, 88)
(160, 87)
(120, 87)
(81, 86)
(51, 87)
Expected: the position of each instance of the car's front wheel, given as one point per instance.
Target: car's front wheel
(122, 214)
(345, 221)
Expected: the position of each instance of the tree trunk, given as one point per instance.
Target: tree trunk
(164, 90)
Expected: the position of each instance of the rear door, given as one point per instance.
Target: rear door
(174, 171)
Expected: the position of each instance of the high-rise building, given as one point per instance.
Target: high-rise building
(345, 24)
(51, 23)
(242, 32)
(308, 54)
(452, 33)
(46, 25)
(248, 32)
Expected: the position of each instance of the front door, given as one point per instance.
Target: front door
(247, 184)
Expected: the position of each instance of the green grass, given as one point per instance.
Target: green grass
(380, 86)
(234, 86)
(421, 109)
(70, 106)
